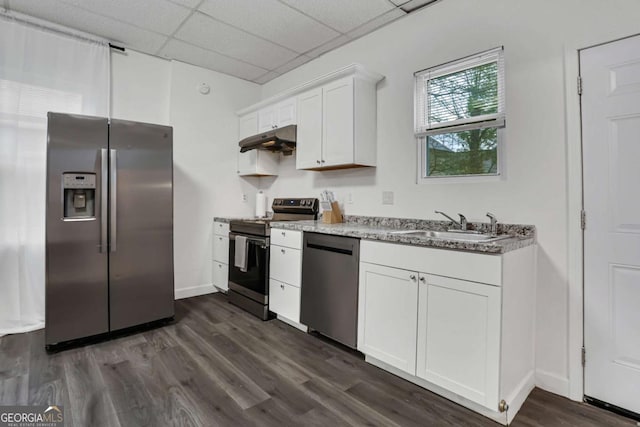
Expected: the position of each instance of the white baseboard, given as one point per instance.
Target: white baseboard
(194, 291)
(296, 325)
(552, 382)
(519, 395)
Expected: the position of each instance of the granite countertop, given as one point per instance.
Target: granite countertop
(382, 229)
(228, 219)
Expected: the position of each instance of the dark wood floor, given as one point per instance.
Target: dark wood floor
(218, 366)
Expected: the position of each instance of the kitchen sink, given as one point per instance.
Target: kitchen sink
(470, 236)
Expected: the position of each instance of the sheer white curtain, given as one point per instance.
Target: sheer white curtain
(40, 71)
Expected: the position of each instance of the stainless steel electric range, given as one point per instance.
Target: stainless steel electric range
(249, 268)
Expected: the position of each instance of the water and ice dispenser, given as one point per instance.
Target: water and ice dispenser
(79, 195)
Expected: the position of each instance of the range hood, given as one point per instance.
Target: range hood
(279, 140)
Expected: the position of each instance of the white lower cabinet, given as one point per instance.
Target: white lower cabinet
(466, 333)
(285, 275)
(387, 315)
(459, 337)
(284, 299)
(220, 273)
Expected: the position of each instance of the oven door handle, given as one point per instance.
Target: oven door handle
(263, 242)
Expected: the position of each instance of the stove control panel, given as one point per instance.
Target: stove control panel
(286, 205)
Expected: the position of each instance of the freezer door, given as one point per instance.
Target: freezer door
(76, 288)
(141, 223)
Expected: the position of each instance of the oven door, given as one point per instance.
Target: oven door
(254, 283)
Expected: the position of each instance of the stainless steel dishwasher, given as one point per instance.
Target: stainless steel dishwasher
(329, 291)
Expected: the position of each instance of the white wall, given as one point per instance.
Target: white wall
(140, 87)
(205, 165)
(151, 89)
(534, 189)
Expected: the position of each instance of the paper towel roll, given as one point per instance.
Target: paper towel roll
(261, 205)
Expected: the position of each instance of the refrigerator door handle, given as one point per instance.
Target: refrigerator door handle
(113, 189)
(104, 182)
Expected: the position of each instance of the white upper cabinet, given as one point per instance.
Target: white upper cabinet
(308, 155)
(336, 118)
(277, 115)
(346, 134)
(254, 162)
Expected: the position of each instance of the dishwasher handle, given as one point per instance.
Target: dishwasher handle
(330, 249)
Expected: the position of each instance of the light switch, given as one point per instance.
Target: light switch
(387, 197)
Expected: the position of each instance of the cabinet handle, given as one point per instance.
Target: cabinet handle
(413, 277)
(282, 287)
(322, 161)
(423, 279)
(220, 238)
(283, 233)
(318, 161)
(282, 250)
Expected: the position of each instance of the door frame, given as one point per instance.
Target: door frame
(575, 234)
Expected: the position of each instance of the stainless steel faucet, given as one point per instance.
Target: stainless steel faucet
(462, 224)
(494, 224)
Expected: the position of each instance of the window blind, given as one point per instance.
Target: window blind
(461, 95)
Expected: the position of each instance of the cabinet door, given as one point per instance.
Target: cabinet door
(221, 275)
(337, 123)
(459, 337)
(267, 118)
(284, 300)
(285, 265)
(221, 249)
(309, 145)
(286, 112)
(247, 161)
(387, 315)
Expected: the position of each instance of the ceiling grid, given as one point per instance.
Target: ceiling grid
(255, 40)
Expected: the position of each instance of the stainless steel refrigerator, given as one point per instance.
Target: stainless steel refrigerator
(109, 226)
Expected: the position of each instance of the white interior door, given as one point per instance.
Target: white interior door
(611, 150)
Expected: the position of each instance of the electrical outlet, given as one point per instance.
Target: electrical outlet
(244, 198)
(350, 198)
(387, 197)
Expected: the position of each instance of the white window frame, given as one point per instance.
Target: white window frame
(423, 128)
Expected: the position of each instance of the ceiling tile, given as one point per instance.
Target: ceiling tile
(265, 78)
(73, 17)
(194, 55)
(399, 2)
(412, 5)
(271, 20)
(342, 15)
(205, 32)
(376, 23)
(155, 15)
(302, 59)
(337, 42)
(187, 3)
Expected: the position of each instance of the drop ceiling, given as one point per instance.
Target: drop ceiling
(255, 40)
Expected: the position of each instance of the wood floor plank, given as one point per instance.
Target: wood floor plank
(211, 403)
(89, 401)
(279, 388)
(14, 391)
(217, 365)
(236, 383)
(345, 406)
(14, 355)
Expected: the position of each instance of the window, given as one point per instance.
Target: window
(459, 116)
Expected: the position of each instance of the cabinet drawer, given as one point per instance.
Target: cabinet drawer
(221, 229)
(221, 249)
(288, 238)
(284, 300)
(220, 275)
(286, 265)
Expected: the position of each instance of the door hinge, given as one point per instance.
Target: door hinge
(579, 85)
(583, 219)
(584, 356)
